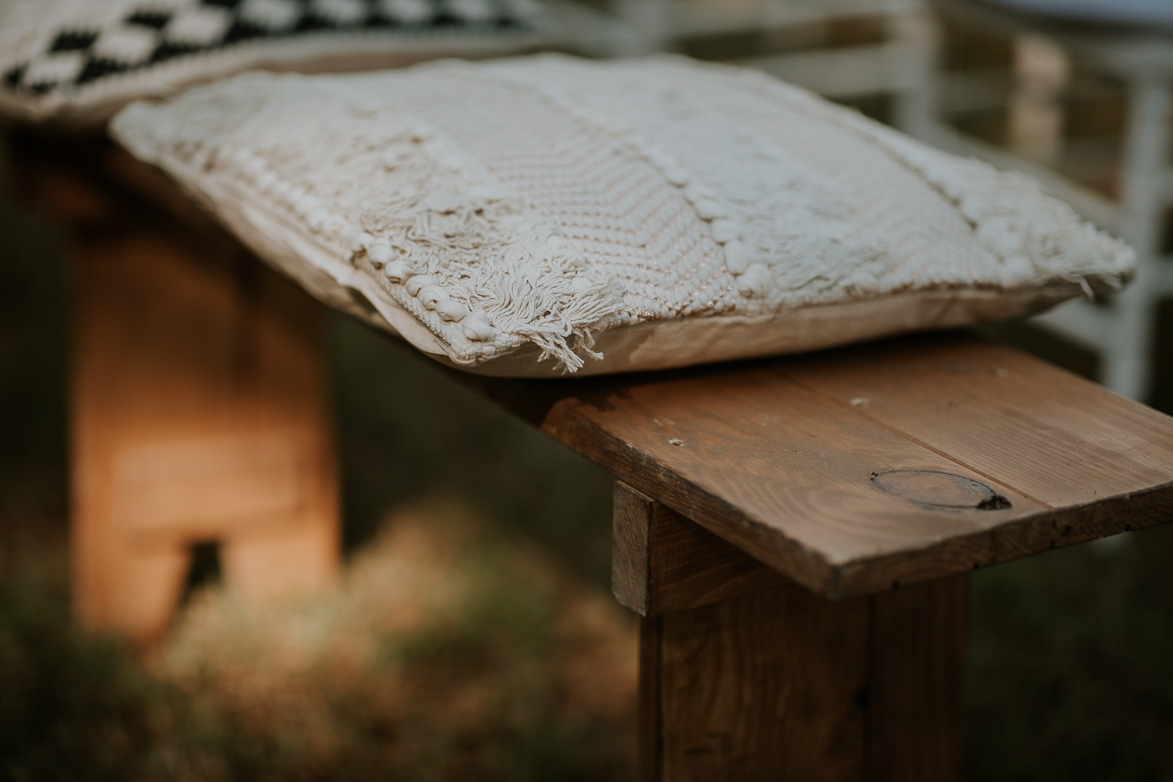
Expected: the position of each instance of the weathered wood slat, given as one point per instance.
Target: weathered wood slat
(782, 473)
(780, 457)
(763, 686)
(745, 675)
(785, 684)
(1051, 435)
(917, 658)
(199, 412)
(662, 562)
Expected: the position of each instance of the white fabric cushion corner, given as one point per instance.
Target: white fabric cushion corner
(544, 214)
(75, 62)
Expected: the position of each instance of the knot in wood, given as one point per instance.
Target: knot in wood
(940, 489)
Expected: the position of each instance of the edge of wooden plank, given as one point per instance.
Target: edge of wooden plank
(865, 575)
(630, 569)
(783, 553)
(1113, 516)
(663, 562)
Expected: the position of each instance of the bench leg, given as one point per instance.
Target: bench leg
(748, 679)
(272, 565)
(199, 413)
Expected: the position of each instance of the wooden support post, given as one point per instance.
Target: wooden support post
(747, 676)
(199, 413)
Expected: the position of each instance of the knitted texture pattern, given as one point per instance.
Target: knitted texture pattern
(83, 58)
(546, 200)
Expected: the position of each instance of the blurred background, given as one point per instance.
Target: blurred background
(472, 633)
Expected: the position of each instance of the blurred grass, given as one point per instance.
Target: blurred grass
(1069, 664)
(449, 652)
(475, 643)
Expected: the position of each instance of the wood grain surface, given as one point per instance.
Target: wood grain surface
(783, 684)
(199, 412)
(916, 672)
(746, 675)
(781, 457)
(662, 562)
(764, 686)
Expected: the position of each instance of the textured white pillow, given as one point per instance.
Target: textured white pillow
(78, 61)
(629, 214)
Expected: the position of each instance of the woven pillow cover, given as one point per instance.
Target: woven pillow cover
(78, 61)
(545, 214)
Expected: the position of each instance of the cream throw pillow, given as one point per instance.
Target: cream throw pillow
(78, 61)
(546, 214)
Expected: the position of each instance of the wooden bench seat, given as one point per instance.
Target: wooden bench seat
(856, 470)
(796, 532)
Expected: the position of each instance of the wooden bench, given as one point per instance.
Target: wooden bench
(199, 406)
(796, 533)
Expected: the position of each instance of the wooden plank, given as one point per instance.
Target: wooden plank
(778, 683)
(1102, 463)
(663, 563)
(1053, 436)
(915, 685)
(784, 684)
(213, 486)
(783, 474)
(631, 576)
(276, 563)
(650, 741)
(763, 686)
(780, 456)
(170, 354)
(125, 333)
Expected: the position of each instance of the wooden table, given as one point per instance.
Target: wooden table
(796, 532)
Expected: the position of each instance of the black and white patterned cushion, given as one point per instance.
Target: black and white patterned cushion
(83, 66)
